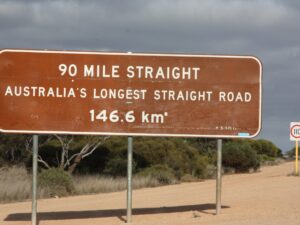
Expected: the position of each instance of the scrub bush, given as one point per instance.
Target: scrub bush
(240, 156)
(162, 173)
(188, 178)
(56, 182)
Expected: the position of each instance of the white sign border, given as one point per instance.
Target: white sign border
(292, 124)
(240, 135)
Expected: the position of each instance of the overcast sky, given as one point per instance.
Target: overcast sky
(268, 29)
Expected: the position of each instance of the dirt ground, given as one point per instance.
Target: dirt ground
(269, 197)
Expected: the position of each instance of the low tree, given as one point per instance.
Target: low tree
(291, 153)
(265, 147)
(17, 148)
(240, 156)
(14, 148)
(72, 150)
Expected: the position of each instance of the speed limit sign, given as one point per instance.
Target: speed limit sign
(295, 131)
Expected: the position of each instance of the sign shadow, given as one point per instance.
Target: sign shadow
(119, 213)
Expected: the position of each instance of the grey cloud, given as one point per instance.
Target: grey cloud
(268, 29)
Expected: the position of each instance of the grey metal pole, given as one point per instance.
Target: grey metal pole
(219, 177)
(34, 179)
(129, 180)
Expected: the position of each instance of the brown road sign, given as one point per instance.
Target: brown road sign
(107, 93)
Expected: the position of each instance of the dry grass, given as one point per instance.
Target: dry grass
(15, 184)
(99, 184)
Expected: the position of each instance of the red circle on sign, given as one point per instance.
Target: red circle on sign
(293, 127)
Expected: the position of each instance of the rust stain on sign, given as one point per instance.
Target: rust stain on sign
(129, 94)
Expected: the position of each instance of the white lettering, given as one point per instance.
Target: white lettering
(234, 97)
(8, 91)
(88, 71)
(128, 94)
(101, 71)
(130, 72)
(33, 91)
(182, 95)
(164, 73)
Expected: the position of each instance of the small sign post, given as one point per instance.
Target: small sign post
(219, 177)
(295, 136)
(34, 179)
(129, 180)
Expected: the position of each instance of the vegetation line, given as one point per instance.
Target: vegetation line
(71, 165)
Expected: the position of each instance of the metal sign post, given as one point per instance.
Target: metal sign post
(295, 136)
(34, 179)
(129, 180)
(219, 177)
(296, 159)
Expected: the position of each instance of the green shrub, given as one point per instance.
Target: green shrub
(291, 154)
(162, 173)
(175, 153)
(240, 156)
(56, 182)
(265, 158)
(199, 166)
(265, 147)
(117, 167)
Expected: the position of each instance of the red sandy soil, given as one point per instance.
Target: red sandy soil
(270, 197)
